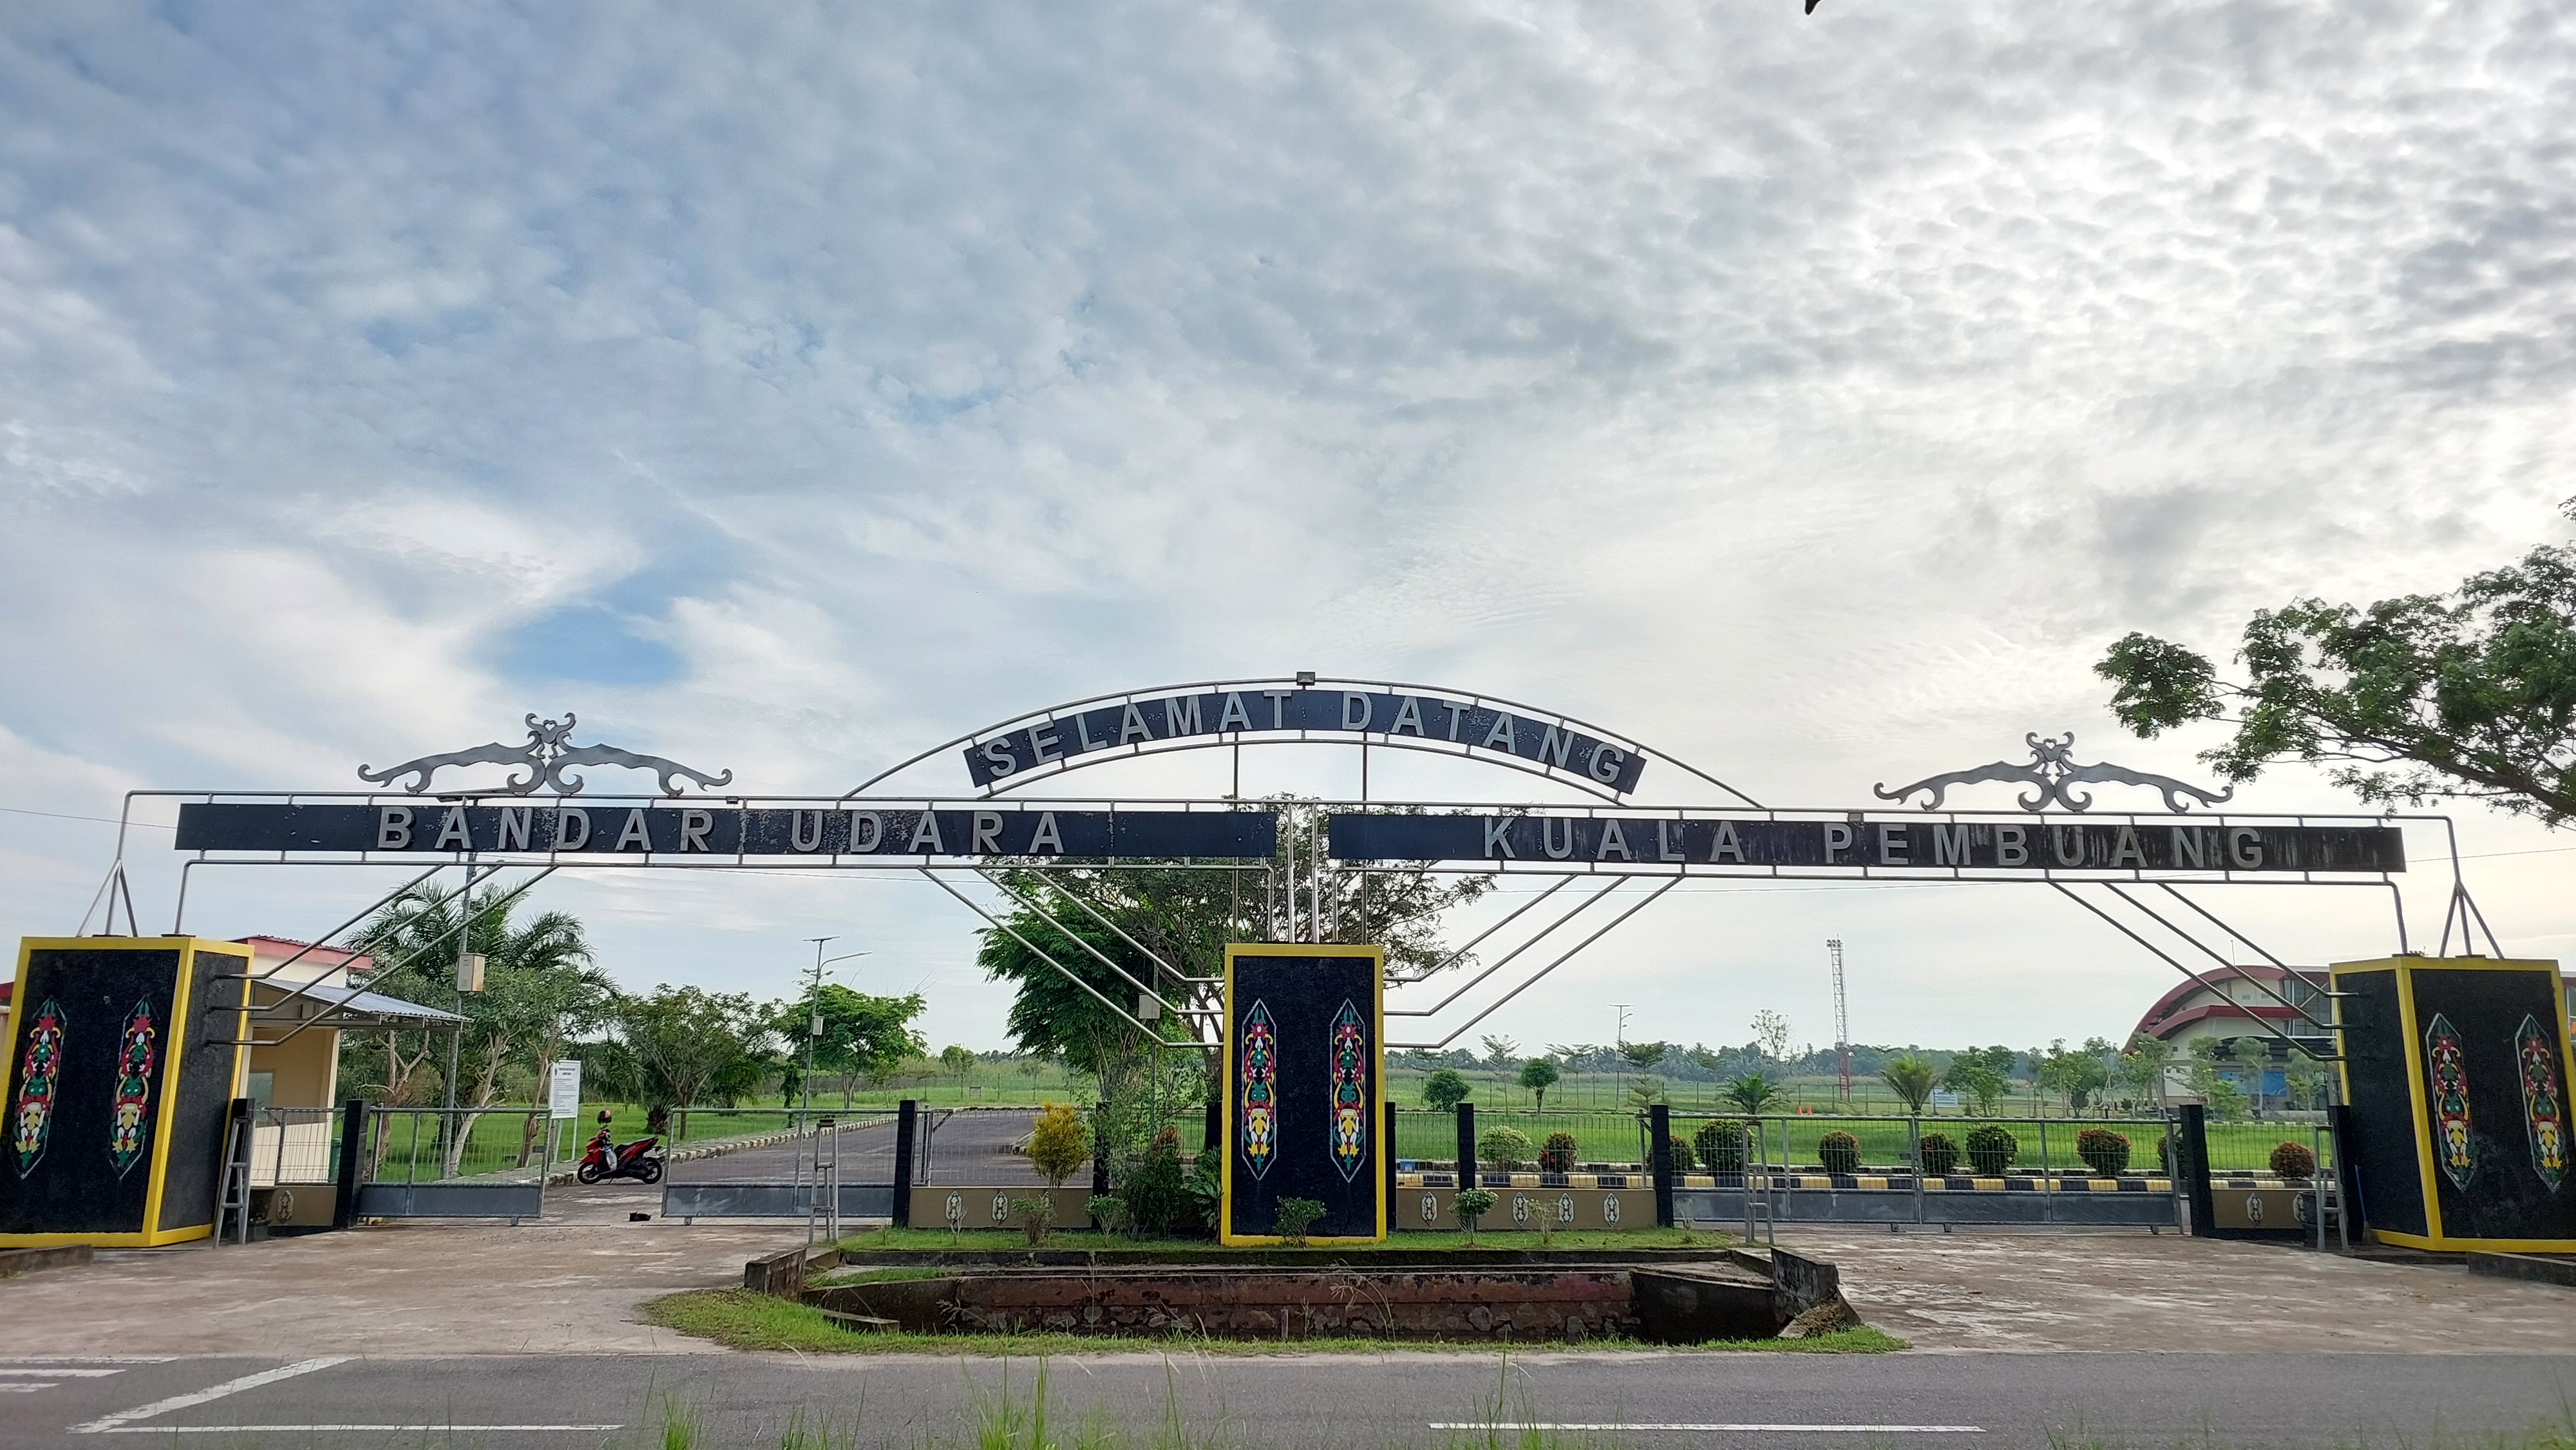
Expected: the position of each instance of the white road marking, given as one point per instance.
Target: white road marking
(19, 1389)
(67, 1370)
(87, 1359)
(283, 1429)
(1712, 1427)
(229, 1387)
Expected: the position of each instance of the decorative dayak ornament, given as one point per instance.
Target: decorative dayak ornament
(2447, 1085)
(129, 1124)
(545, 756)
(1260, 1086)
(31, 1118)
(2535, 1050)
(2052, 769)
(1350, 1088)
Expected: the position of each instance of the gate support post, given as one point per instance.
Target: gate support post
(353, 1157)
(1215, 1135)
(1386, 1155)
(1467, 1147)
(2351, 1215)
(1659, 1125)
(907, 1121)
(2191, 1165)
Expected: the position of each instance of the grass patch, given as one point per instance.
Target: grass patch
(936, 1240)
(894, 1274)
(741, 1319)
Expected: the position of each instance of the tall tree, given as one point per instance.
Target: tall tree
(862, 1034)
(1771, 1033)
(687, 1042)
(1538, 1075)
(2467, 694)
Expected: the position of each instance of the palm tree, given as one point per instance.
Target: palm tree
(540, 987)
(1751, 1092)
(1910, 1078)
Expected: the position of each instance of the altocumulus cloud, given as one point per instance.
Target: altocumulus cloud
(795, 384)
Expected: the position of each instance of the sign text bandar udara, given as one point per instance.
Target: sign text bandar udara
(2035, 844)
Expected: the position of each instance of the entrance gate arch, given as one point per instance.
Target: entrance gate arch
(2140, 871)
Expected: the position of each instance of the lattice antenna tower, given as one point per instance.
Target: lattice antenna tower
(1842, 1018)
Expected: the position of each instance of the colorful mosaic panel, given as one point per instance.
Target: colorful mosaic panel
(31, 1118)
(1350, 1092)
(1260, 1090)
(2535, 1052)
(129, 1127)
(2446, 1087)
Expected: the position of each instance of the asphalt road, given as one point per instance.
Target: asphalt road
(1391, 1399)
(965, 1147)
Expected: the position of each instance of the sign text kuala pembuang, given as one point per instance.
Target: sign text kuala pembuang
(2035, 844)
(1395, 716)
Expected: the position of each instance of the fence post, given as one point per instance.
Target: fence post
(1467, 1147)
(1099, 1159)
(353, 1158)
(2191, 1169)
(2047, 1183)
(1215, 1135)
(1386, 1151)
(1914, 1139)
(1659, 1123)
(907, 1117)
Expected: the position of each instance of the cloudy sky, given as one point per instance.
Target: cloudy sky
(789, 388)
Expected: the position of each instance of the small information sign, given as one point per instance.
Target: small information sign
(563, 1089)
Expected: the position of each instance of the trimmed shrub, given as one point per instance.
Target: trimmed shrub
(1940, 1155)
(1057, 1144)
(1720, 1143)
(2103, 1151)
(1505, 1148)
(2294, 1160)
(1991, 1149)
(1296, 1215)
(1839, 1152)
(1473, 1204)
(1682, 1160)
(1558, 1155)
(1154, 1188)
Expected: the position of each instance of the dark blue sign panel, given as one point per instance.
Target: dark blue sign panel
(2039, 844)
(1219, 714)
(607, 830)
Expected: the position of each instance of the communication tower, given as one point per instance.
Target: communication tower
(1842, 1018)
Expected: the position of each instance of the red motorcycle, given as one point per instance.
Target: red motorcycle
(609, 1159)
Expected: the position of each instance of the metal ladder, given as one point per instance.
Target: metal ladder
(232, 1201)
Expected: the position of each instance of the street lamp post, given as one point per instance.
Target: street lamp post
(814, 1019)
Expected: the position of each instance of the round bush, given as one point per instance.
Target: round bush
(2103, 1151)
(1505, 1148)
(1940, 1155)
(1682, 1161)
(1558, 1155)
(1839, 1152)
(1991, 1149)
(2294, 1160)
(1720, 1143)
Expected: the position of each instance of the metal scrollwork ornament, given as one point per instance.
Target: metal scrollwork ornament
(544, 759)
(2053, 770)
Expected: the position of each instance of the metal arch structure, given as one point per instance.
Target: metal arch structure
(1172, 742)
(2113, 892)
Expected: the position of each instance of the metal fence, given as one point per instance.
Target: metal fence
(294, 1146)
(457, 1163)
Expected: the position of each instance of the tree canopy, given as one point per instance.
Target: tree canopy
(2469, 694)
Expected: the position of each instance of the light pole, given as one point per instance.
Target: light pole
(814, 1018)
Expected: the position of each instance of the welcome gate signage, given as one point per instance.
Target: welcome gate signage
(1394, 716)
